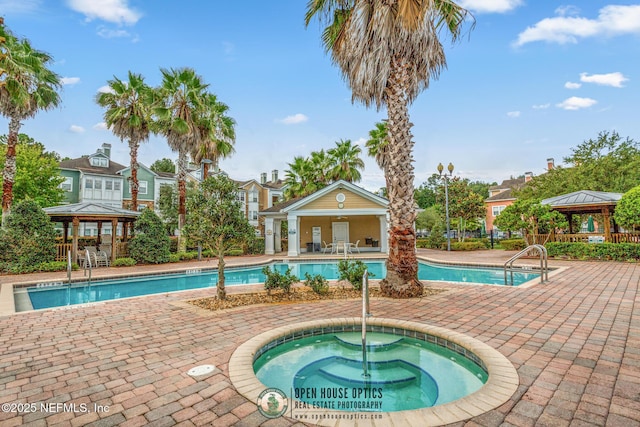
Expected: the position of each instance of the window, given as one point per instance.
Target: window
(240, 196)
(253, 196)
(142, 187)
(497, 209)
(116, 185)
(108, 184)
(253, 215)
(88, 184)
(67, 185)
(100, 162)
(97, 184)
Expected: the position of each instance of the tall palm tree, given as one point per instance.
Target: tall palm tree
(346, 161)
(128, 114)
(217, 134)
(388, 51)
(299, 178)
(321, 163)
(377, 143)
(29, 87)
(182, 100)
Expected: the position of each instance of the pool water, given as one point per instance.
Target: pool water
(59, 294)
(326, 372)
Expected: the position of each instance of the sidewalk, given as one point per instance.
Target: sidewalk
(575, 342)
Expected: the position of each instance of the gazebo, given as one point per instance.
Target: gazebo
(76, 213)
(587, 202)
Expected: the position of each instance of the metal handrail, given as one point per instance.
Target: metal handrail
(69, 268)
(365, 314)
(87, 261)
(544, 266)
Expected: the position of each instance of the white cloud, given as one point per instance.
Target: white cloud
(105, 89)
(108, 33)
(541, 106)
(576, 103)
(19, 6)
(612, 20)
(70, 80)
(360, 142)
(490, 6)
(572, 85)
(567, 11)
(101, 126)
(611, 79)
(513, 114)
(115, 11)
(296, 118)
(76, 129)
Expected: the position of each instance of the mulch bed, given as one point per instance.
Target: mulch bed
(297, 295)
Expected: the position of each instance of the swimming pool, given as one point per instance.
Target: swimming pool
(59, 294)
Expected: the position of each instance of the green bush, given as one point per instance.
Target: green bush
(276, 280)
(485, 241)
(256, 246)
(150, 244)
(602, 251)
(352, 271)
(467, 246)
(513, 244)
(422, 243)
(317, 283)
(234, 252)
(174, 257)
(55, 266)
(28, 239)
(124, 262)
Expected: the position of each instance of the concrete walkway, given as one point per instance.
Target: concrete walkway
(575, 342)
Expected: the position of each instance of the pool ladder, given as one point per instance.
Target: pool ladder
(87, 263)
(365, 313)
(544, 267)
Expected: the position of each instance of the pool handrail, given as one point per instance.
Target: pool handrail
(365, 314)
(544, 266)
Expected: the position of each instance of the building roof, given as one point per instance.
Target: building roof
(85, 166)
(503, 195)
(509, 183)
(90, 208)
(583, 197)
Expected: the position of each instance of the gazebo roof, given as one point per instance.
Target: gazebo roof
(90, 211)
(583, 198)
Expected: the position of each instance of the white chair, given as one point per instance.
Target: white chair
(353, 246)
(341, 244)
(327, 246)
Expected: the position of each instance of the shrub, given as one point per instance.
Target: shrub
(256, 246)
(124, 262)
(56, 266)
(28, 239)
(485, 241)
(276, 280)
(234, 252)
(604, 251)
(352, 271)
(150, 244)
(513, 244)
(467, 246)
(317, 283)
(174, 257)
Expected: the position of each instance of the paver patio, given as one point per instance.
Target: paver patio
(575, 342)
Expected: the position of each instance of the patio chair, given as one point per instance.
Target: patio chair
(103, 256)
(355, 246)
(82, 256)
(326, 246)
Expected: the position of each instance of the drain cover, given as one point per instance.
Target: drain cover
(201, 370)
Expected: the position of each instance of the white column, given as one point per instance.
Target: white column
(293, 236)
(384, 234)
(269, 232)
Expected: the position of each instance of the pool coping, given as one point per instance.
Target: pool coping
(502, 383)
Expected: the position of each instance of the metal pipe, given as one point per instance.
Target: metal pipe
(365, 313)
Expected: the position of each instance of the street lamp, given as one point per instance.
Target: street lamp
(446, 177)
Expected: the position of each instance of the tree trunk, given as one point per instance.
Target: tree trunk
(402, 265)
(182, 197)
(222, 292)
(133, 153)
(9, 172)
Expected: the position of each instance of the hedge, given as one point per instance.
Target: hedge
(603, 251)
(513, 244)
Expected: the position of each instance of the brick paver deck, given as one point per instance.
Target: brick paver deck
(575, 342)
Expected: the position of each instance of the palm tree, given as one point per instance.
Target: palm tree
(321, 163)
(28, 87)
(346, 161)
(128, 115)
(377, 143)
(182, 100)
(217, 134)
(299, 178)
(388, 50)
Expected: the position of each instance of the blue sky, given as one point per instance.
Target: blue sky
(531, 81)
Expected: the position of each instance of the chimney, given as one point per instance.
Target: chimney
(550, 163)
(106, 149)
(528, 176)
(263, 178)
(274, 176)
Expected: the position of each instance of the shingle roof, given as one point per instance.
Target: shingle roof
(84, 165)
(503, 195)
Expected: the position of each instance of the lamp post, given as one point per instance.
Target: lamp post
(446, 177)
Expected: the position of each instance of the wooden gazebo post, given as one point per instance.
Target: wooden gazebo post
(607, 224)
(74, 247)
(114, 248)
